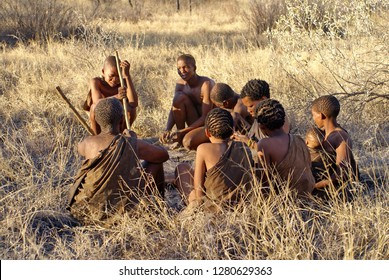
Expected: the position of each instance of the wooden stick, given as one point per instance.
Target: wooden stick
(80, 119)
(122, 85)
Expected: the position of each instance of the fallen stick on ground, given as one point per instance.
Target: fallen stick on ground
(78, 116)
(122, 85)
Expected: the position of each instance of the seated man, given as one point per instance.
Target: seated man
(108, 86)
(191, 103)
(337, 146)
(224, 97)
(313, 139)
(283, 154)
(223, 174)
(111, 178)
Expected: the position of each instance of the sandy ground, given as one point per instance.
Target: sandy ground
(177, 155)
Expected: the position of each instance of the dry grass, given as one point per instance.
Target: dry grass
(38, 134)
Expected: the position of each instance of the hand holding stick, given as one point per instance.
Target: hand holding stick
(122, 85)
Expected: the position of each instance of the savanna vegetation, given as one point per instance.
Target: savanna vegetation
(303, 48)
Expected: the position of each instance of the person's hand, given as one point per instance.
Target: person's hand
(240, 137)
(122, 93)
(169, 137)
(125, 65)
(164, 137)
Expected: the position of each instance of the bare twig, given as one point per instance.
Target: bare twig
(78, 116)
(122, 85)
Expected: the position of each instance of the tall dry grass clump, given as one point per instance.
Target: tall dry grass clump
(38, 133)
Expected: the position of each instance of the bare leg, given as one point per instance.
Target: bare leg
(194, 138)
(156, 170)
(184, 179)
(184, 111)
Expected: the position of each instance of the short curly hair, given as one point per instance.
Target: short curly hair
(221, 92)
(255, 89)
(108, 113)
(270, 113)
(219, 123)
(328, 105)
(188, 58)
(110, 61)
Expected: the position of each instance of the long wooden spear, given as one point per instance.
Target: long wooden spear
(78, 116)
(122, 85)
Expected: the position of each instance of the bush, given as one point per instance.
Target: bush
(262, 18)
(38, 20)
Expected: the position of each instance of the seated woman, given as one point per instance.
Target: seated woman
(223, 168)
(282, 154)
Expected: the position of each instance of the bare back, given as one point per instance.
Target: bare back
(273, 149)
(91, 146)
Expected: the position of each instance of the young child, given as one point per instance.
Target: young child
(281, 153)
(313, 139)
(108, 86)
(253, 92)
(224, 97)
(110, 179)
(191, 104)
(222, 174)
(336, 144)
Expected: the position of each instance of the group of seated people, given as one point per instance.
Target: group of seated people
(242, 142)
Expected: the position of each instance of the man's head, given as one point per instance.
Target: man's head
(110, 72)
(325, 107)
(186, 66)
(314, 137)
(253, 92)
(222, 96)
(270, 114)
(109, 114)
(219, 123)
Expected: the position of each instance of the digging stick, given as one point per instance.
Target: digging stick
(122, 85)
(78, 116)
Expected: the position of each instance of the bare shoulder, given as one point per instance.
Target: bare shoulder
(96, 81)
(204, 148)
(264, 143)
(207, 81)
(87, 140)
(337, 137)
(83, 144)
(180, 82)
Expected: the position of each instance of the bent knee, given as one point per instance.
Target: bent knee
(180, 99)
(189, 143)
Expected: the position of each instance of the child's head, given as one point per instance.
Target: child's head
(186, 66)
(109, 113)
(325, 107)
(253, 92)
(110, 72)
(314, 137)
(222, 95)
(219, 123)
(270, 114)
(328, 105)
